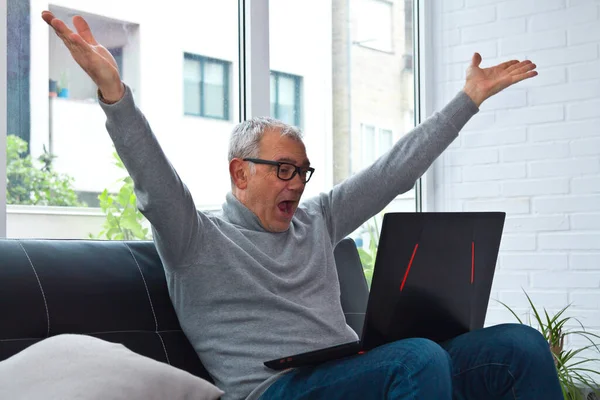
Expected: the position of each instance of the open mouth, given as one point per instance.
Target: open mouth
(287, 208)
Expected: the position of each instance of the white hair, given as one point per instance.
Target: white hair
(245, 137)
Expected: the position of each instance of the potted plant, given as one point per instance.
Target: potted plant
(123, 219)
(574, 371)
(31, 181)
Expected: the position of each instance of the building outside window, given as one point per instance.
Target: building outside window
(286, 97)
(206, 86)
(375, 142)
(374, 25)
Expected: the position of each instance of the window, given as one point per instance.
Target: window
(356, 102)
(375, 142)
(286, 97)
(315, 78)
(206, 87)
(63, 201)
(117, 53)
(374, 24)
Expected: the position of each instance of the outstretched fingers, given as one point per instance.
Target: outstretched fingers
(60, 28)
(524, 68)
(508, 64)
(47, 16)
(78, 45)
(74, 42)
(83, 29)
(518, 65)
(523, 76)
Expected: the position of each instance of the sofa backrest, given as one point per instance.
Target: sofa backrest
(116, 291)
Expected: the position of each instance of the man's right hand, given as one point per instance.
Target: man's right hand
(94, 58)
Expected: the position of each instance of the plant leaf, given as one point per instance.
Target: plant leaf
(511, 311)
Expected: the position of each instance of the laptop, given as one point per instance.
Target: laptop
(432, 279)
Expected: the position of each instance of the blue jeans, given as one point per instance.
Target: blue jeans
(509, 361)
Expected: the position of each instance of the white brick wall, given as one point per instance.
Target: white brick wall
(533, 150)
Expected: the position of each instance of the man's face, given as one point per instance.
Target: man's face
(273, 200)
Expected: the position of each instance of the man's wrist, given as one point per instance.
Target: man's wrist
(112, 95)
(474, 94)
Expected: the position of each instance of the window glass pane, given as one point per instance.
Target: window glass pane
(117, 53)
(191, 89)
(214, 89)
(53, 107)
(385, 141)
(287, 87)
(368, 145)
(191, 70)
(213, 73)
(374, 24)
(346, 85)
(287, 97)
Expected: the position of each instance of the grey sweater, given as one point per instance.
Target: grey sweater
(244, 295)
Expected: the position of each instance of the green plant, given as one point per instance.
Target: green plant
(572, 368)
(367, 257)
(34, 182)
(123, 219)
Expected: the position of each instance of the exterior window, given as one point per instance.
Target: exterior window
(117, 53)
(286, 97)
(375, 142)
(206, 87)
(374, 25)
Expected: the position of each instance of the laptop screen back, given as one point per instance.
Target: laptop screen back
(433, 275)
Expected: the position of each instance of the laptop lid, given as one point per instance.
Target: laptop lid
(433, 275)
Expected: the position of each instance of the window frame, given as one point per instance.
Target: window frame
(425, 87)
(298, 80)
(3, 116)
(254, 78)
(203, 60)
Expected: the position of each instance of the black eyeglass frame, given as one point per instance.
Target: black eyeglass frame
(297, 170)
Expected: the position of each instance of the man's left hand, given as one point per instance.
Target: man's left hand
(483, 83)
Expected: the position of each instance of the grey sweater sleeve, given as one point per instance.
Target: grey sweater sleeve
(361, 196)
(161, 195)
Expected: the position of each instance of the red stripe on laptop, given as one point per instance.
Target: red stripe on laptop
(409, 265)
(472, 262)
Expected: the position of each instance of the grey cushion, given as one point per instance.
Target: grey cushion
(83, 367)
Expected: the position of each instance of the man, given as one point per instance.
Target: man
(260, 281)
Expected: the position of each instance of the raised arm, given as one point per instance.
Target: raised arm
(161, 195)
(354, 201)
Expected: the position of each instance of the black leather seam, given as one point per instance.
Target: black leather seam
(145, 285)
(150, 300)
(164, 347)
(40, 285)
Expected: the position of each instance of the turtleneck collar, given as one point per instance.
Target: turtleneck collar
(238, 214)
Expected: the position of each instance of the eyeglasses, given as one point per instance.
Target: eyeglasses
(286, 171)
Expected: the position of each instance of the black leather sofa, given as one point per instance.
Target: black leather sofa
(115, 291)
